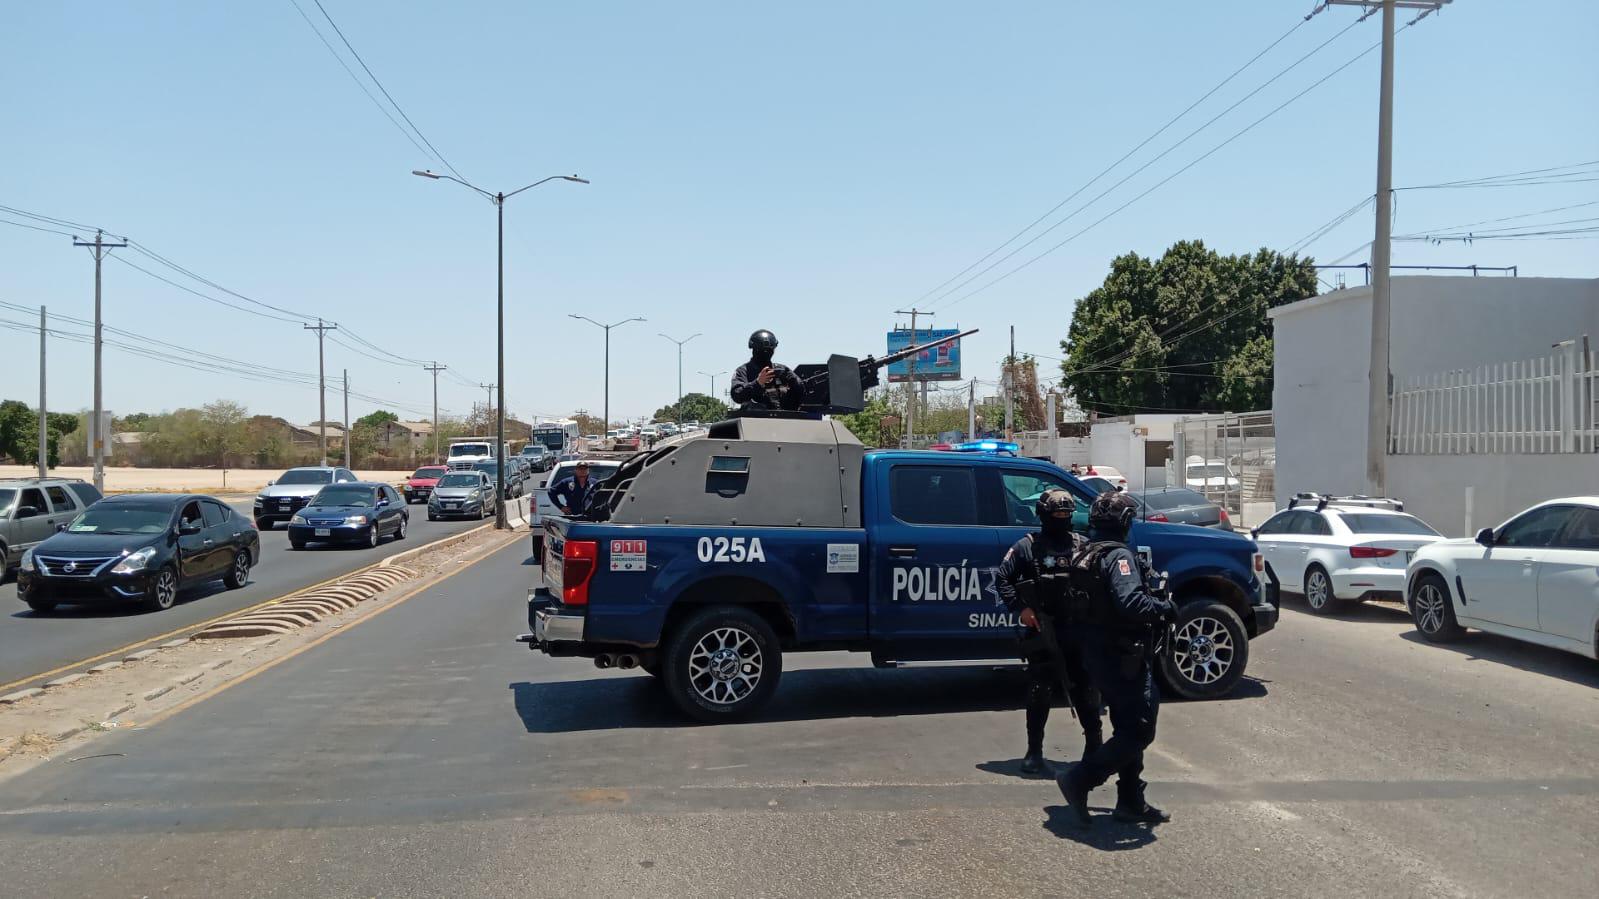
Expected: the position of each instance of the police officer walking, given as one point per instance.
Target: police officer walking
(1039, 565)
(1118, 644)
(763, 384)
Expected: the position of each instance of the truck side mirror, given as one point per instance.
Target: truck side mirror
(27, 512)
(1254, 533)
(1486, 537)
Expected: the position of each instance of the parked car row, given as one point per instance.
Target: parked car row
(1534, 578)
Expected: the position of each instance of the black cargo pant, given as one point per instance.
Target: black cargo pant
(1043, 688)
(1127, 683)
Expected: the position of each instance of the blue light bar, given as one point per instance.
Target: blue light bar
(988, 446)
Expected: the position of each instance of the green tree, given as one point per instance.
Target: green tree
(873, 424)
(376, 420)
(19, 433)
(1185, 332)
(693, 407)
(224, 431)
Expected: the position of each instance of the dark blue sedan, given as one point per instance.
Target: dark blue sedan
(357, 512)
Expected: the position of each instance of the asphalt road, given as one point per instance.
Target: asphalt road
(421, 753)
(31, 643)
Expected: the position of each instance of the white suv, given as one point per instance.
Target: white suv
(1534, 578)
(1352, 549)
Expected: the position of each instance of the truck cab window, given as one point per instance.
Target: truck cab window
(933, 494)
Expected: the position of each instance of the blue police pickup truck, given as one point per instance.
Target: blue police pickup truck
(703, 563)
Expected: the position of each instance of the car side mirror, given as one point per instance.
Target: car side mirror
(1254, 533)
(1486, 537)
(270, 483)
(382, 501)
(27, 512)
(60, 528)
(188, 529)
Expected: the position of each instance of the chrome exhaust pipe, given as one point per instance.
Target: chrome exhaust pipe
(604, 661)
(627, 661)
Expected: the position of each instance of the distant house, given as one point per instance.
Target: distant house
(126, 447)
(404, 435)
(311, 434)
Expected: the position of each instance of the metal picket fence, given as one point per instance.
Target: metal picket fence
(1541, 405)
(1231, 458)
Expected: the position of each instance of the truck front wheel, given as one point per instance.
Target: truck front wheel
(722, 663)
(1209, 651)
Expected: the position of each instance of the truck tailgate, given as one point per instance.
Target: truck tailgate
(554, 542)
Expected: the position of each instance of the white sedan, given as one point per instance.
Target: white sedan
(1534, 578)
(1342, 552)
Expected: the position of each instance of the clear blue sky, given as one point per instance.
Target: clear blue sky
(804, 167)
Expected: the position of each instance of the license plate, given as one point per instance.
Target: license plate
(452, 505)
(324, 532)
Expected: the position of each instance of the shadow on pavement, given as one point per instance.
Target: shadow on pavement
(1484, 647)
(1105, 834)
(121, 608)
(611, 702)
(606, 703)
(1013, 768)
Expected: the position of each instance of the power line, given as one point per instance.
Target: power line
(1507, 218)
(206, 297)
(940, 302)
(37, 228)
(1159, 184)
(1141, 144)
(437, 155)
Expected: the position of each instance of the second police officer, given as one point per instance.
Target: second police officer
(1126, 617)
(1033, 581)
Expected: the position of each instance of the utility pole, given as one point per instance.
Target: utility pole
(910, 381)
(971, 412)
(680, 366)
(97, 440)
(347, 418)
(1379, 377)
(1010, 387)
(490, 407)
(434, 368)
(43, 433)
(321, 385)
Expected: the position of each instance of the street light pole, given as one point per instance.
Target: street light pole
(680, 366)
(713, 376)
(498, 199)
(607, 329)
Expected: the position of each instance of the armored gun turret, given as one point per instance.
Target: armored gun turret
(839, 386)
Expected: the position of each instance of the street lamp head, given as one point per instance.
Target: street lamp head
(575, 178)
(425, 174)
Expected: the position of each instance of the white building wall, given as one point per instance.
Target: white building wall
(1319, 385)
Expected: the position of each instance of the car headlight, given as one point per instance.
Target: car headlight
(261, 500)
(297, 519)
(355, 519)
(135, 561)
(27, 561)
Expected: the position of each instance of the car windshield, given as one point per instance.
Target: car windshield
(430, 472)
(488, 467)
(459, 480)
(343, 495)
(7, 497)
(1386, 524)
(1172, 499)
(306, 476)
(1208, 471)
(120, 518)
(598, 471)
(469, 449)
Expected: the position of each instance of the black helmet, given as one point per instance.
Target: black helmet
(1053, 502)
(763, 340)
(1112, 511)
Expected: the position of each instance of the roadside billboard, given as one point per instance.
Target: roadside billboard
(938, 360)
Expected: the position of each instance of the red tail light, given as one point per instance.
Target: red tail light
(579, 558)
(1158, 516)
(1370, 552)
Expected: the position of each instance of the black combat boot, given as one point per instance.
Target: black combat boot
(1076, 800)
(1131, 807)
(1033, 761)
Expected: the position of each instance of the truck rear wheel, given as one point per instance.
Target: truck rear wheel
(722, 664)
(1209, 651)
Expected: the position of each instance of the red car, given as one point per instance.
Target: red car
(420, 486)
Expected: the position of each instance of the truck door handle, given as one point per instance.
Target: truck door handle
(902, 552)
(207, 542)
